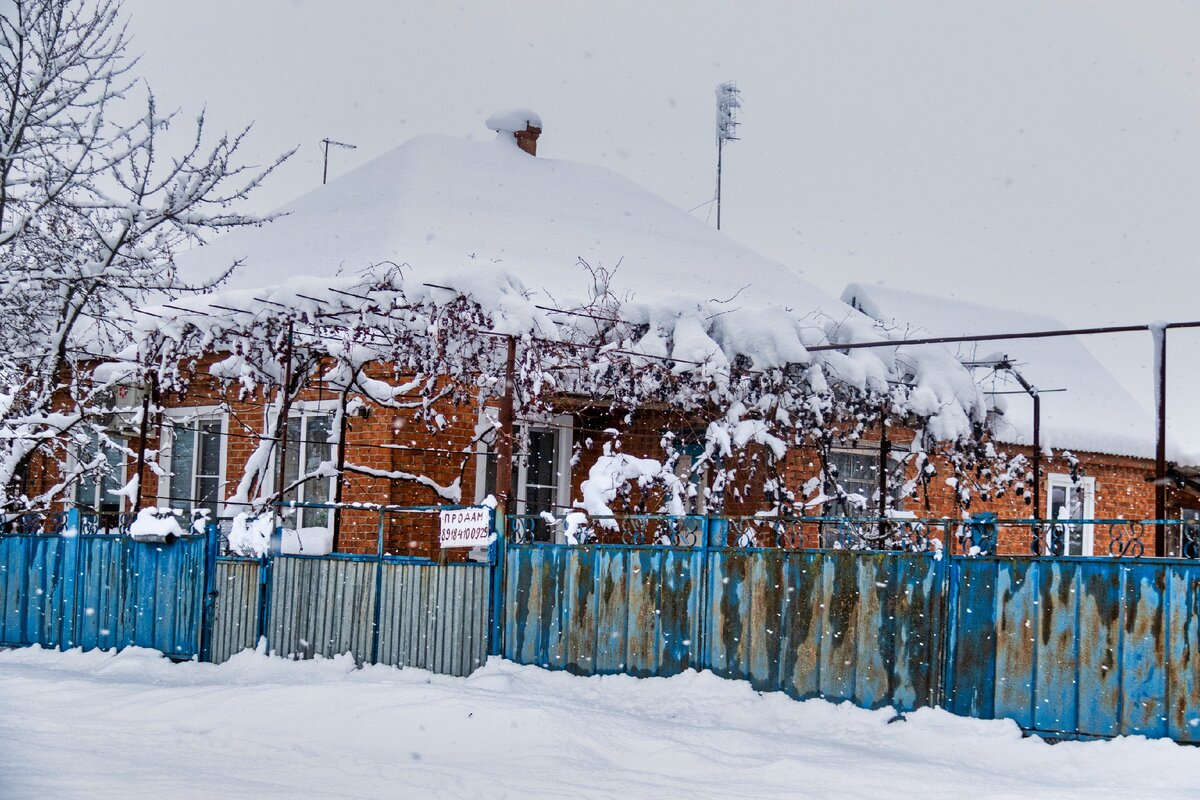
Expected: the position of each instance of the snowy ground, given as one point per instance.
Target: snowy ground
(134, 725)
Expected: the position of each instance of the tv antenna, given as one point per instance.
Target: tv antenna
(325, 147)
(729, 101)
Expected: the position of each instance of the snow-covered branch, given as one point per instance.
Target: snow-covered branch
(92, 211)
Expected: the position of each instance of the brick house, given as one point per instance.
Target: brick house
(445, 208)
(1084, 410)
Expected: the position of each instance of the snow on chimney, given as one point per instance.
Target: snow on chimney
(523, 124)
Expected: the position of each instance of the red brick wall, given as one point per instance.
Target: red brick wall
(393, 440)
(385, 440)
(1123, 489)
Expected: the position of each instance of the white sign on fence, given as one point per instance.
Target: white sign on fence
(465, 527)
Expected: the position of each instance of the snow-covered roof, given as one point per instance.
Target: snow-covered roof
(444, 206)
(511, 230)
(1094, 413)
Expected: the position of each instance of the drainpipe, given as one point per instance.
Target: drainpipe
(1037, 434)
(341, 475)
(1160, 449)
(884, 446)
(143, 432)
(504, 439)
(282, 432)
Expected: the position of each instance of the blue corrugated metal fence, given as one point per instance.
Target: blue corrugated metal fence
(90, 586)
(1077, 646)
(1067, 647)
(76, 589)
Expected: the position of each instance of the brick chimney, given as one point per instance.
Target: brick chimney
(527, 139)
(522, 124)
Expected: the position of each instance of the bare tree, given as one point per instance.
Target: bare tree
(92, 211)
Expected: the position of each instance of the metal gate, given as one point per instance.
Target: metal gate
(380, 609)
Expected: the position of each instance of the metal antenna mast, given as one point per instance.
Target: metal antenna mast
(729, 100)
(325, 147)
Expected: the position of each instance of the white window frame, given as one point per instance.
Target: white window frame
(122, 475)
(175, 416)
(1087, 485)
(694, 479)
(563, 426)
(896, 454)
(299, 410)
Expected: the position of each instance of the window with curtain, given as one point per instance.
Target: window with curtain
(308, 446)
(195, 465)
(94, 492)
(539, 479)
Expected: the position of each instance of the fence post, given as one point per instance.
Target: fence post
(74, 522)
(705, 554)
(72, 570)
(983, 533)
(949, 628)
(376, 616)
(212, 543)
(265, 579)
(499, 553)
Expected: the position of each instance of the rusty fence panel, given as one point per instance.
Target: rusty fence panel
(434, 616)
(603, 609)
(235, 607)
(1077, 646)
(846, 626)
(862, 627)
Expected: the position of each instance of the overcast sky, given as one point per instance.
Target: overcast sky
(1041, 155)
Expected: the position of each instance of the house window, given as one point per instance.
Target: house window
(1068, 500)
(195, 462)
(541, 476)
(94, 491)
(695, 480)
(858, 475)
(308, 446)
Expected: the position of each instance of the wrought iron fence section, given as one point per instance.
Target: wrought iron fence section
(37, 522)
(979, 535)
(523, 528)
(1119, 538)
(664, 530)
(92, 523)
(791, 533)
(915, 535)
(1125, 539)
(224, 529)
(742, 531)
(632, 529)
(889, 534)
(1189, 530)
(834, 533)
(1049, 537)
